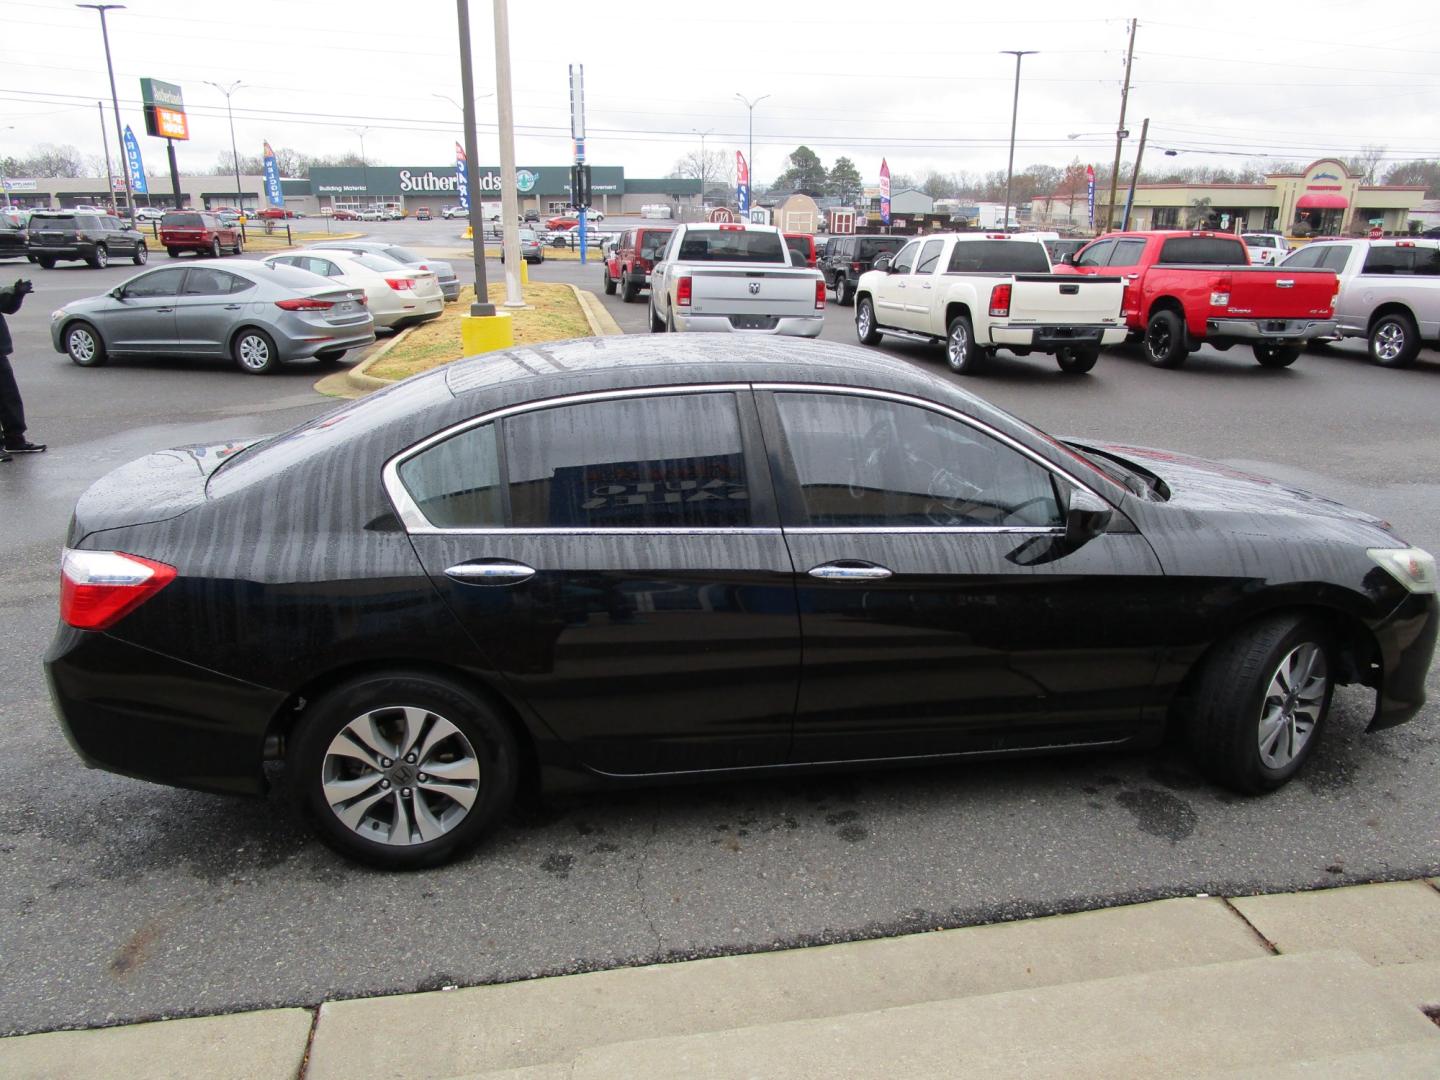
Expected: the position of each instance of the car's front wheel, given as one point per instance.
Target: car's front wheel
(1271, 355)
(1261, 703)
(1394, 340)
(142, 255)
(254, 352)
(866, 330)
(402, 770)
(83, 345)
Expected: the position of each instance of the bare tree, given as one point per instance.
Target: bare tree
(1366, 164)
(716, 168)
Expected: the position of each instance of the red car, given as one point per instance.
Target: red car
(1183, 289)
(422, 214)
(804, 243)
(201, 232)
(341, 214)
(562, 222)
(631, 259)
(275, 212)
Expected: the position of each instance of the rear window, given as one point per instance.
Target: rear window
(800, 244)
(289, 276)
(1260, 241)
(652, 243)
(732, 245)
(52, 221)
(1204, 251)
(371, 261)
(869, 247)
(404, 255)
(999, 257)
(182, 221)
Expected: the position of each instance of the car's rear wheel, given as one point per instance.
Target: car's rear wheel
(1165, 340)
(961, 352)
(47, 262)
(866, 331)
(142, 255)
(83, 345)
(1275, 356)
(657, 324)
(100, 259)
(1075, 360)
(628, 289)
(215, 248)
(239, 245)
(1261, 703)
(1394, 340)
(609, 281)
(254, 352)
(174, 253)
(403, 770)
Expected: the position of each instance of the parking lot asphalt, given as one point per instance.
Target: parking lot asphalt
(129, 901)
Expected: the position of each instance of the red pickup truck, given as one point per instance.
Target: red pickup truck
(1183, 289)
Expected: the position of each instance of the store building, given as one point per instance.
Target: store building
(1325, 199)
(196, 192)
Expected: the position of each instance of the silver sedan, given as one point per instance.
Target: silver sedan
(257, 315)
(443, 271)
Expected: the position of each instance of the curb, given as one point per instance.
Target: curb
(602, 323)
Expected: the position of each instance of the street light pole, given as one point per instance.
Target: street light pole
(105, 142)
(114, 97)
(364, 161)
(481, 304)
(509, 193)
(750, 163)
(1019, 54)
(234, 153)
(703, 164)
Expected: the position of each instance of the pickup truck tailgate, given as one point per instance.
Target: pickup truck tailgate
(1280, 294)
(1065, 299)
(787, 292)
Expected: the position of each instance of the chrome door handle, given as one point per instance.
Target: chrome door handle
(1131, 277)
(1285, 283)
(490, 572)
(164, 310)
(233, 307)
(850, 570)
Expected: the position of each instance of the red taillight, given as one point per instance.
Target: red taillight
(732, 228)
(855, 266)
(399, 283)
(304, 303)
(99, 588)
(682, 291)
(820, 295)
(1000, 301)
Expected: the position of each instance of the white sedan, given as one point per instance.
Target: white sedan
(397, 295)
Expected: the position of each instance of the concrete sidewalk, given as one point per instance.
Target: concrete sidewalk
(1333, 983)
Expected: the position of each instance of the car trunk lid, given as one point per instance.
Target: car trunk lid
(1281, 294)
(779, 291)
(1065, 299)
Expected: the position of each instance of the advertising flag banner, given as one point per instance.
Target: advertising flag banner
(884, 192)
(742, 182)
(273, 195)
(462, 176)
(135, 164)
(1090, 191)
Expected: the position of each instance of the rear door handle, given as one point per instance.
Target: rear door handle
(233, 307)
(850, 570)
(164, 310)
(1285, 283)
(490, 572)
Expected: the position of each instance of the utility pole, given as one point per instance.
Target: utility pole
(509, 196)
(1014, 118)
(1120, 131)
(1135, 173)
(234, 153)
(702, 135)
(481, 304)
(105, 142)
(114, 97)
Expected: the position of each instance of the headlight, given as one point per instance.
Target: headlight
(1412, 567)
(58, 313)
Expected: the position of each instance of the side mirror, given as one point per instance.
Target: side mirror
(1068, 259)
(1086, 516)
(118, 293)
(883, 263)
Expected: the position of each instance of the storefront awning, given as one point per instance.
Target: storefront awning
(1321, 201)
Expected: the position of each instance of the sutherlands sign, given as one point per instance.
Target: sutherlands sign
(389, 180)
(164, 110)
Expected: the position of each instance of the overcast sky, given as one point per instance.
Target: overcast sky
(919, 82)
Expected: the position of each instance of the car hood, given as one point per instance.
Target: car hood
(1220, 492)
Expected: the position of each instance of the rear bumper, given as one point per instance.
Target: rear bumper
(786, 326)
(303, 348)
(62, 251)
(1407, 647)
(1279, 331)
(139, 713)
(450, 289)
(1051, 338)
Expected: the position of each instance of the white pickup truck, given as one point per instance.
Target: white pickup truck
(985, 291)
(734, 278)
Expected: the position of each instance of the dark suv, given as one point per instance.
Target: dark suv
(631, 259)
(82, 236)
(203, 233)
(848, 257)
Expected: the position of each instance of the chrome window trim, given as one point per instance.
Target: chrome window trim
(579, 530)
(922, 530)
(416, 523)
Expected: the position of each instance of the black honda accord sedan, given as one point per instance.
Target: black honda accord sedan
(628, 559)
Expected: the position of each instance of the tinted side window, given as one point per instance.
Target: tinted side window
(1305, 258)
(1427, 262)
(456, 483)
(1204, 251)
(659, 462)
(1335, 257)
(207, 281)
(929, 257)
(1097, 254)
(1388, 260)
(157, 283)
(1127, 253)
(865, 462)
(906, 259)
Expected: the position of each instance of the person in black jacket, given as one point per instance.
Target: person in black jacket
(12, 409)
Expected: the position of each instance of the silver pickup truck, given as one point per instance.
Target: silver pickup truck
(734, 278)
(1389, 292)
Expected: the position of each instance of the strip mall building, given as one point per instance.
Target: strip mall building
(1325, 197)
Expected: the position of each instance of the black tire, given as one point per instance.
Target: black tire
(866, 331)
(239, 246)
(482, 732)
(142, 255)
(961, 352)
(844, 291)
(215, 248)
(47, 262)
(84, 345)
(1394, 340)
(1225, 728)
(174, 253)
(609, 282)
(1275, 356)
(100, 259)
(1165, 340)
(628, 289)
(670, 320)
(657, 324)
(1074, 360)
(253, 351)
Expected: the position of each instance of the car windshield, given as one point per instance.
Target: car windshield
(732, 245)
(184, 221)
(527, 234)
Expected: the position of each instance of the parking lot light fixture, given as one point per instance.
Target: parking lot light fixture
(1019, 55)
(702, 134)
(750, 161)
(114, 97)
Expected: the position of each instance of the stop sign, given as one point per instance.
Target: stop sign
(1375, 233)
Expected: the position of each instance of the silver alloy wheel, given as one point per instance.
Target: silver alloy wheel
(863, 320)
(102, 257)
(1389, 341)
(81, 345)
(957, 345)
(254, 352)
(400, 775)
(1292, 704)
